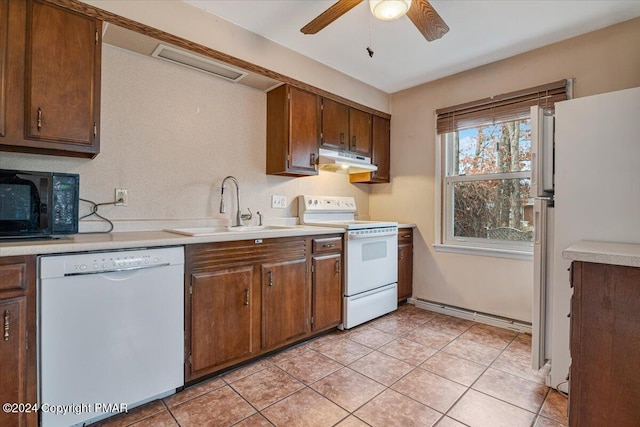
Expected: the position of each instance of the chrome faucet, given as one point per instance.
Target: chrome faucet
(240, 217)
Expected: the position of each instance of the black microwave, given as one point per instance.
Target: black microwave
(38, 204)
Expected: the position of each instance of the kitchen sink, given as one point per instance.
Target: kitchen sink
(209, 231)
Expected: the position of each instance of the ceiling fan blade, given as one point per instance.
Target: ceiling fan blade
(427, 20)
(328, 16)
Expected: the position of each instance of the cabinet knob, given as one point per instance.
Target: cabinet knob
(312, 159)
(406, 236)
(354, 141)
(342, 138)
(270, 277)
(6, 325)
(246, 296)
(328, 245)
(401, 254)
(337, 266)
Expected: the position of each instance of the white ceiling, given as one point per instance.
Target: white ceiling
(481, 31)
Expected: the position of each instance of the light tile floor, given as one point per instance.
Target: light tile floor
(410, 368)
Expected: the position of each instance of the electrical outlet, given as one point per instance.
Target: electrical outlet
(279, 202)
(122, 198)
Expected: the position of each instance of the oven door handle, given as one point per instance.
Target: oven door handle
(355, 236)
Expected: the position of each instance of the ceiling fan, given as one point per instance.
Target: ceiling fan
(420, 12)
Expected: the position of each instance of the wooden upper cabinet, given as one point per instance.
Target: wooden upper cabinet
(335, 125)
(380, 153)
(293, 131)
(62, 79)
(359, 132)
(381, 149)
(4, 37)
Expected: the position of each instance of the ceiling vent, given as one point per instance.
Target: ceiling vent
(197, 62)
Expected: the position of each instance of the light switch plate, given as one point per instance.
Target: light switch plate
(279, 202)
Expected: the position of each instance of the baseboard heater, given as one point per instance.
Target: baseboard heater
(463, 313)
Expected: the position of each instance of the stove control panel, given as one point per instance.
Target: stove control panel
(328, 204)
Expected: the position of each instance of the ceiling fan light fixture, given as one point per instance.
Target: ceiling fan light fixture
(388, 10)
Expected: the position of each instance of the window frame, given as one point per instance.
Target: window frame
(448, 241)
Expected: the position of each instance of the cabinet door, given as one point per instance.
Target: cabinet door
(4, 37)
(304, 130)
(605, 338)
(381, 149)
(360, 132)
(335, 124)
(62, 86)
(327, 291)
(222, 307)
(405, 271)
(285, 302)
(13, 354)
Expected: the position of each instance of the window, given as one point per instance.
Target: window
(486, 186)
(485, 162)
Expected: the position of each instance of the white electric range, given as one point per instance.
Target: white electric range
(370, 287)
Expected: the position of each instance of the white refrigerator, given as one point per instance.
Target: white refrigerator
(596, 197)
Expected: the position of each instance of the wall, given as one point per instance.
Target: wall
(187, 21)
(170, 135)
(601, 61)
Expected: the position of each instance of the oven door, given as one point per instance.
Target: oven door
(372, 259)
(25, 199)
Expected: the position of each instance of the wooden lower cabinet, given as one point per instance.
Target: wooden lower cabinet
(285, 302)
(223, 306)
(326, 282)
(18, 339)
(405, 263)
(247, 298)
(604, 386)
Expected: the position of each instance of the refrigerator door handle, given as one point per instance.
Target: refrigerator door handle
(538, 328)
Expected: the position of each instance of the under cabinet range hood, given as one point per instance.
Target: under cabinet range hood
(344, 162)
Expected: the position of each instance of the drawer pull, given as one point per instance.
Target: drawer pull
(329, 245)
(338, 266)
(6, 325)
(39, 119)
(246, 296)
(406, 236)
(270, 276)
(312, 159)
(342, 138)
(401, 253)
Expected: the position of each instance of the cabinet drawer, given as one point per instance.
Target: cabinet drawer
(13, 276)
(328, 244)
(405, 235)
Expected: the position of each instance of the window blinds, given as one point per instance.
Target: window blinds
(501, 108)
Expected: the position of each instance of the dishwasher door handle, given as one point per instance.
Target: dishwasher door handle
(117, 270)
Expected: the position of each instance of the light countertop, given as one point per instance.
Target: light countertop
(143, 239)
(626, 254)
(406, 225)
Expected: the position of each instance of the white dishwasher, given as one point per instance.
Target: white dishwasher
(110, 332)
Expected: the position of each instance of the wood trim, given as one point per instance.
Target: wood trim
(106, 16)
(4, 37)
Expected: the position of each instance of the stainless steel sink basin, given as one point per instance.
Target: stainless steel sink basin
(209, 231)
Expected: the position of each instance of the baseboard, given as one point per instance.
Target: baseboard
(489, 319)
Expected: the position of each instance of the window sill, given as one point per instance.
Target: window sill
(490, 252)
